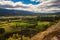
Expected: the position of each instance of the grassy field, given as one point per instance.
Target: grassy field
(29, 25)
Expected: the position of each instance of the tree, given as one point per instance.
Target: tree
(2, 30)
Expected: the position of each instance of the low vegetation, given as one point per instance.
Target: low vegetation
(27, 27)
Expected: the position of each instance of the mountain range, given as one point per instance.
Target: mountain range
(7, 12)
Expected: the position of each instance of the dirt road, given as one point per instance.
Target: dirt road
(52, 33)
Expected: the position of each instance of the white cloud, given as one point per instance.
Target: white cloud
(32, 0)
(35, 0)
(46, 6)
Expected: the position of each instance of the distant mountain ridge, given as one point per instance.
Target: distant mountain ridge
(6, 12)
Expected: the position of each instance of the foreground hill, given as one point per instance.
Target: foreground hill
(52, 33)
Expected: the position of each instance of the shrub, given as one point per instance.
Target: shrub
(2, 30)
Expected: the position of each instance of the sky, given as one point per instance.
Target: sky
(27, 1)
(37, 6)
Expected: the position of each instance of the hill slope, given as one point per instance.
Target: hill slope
(49, 34)
(6, 12)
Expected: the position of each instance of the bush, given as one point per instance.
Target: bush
(2, 30)
(41, 27)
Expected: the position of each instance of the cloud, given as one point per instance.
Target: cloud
(46, 6)
(50, 6)
(35, 0)
(32, 0)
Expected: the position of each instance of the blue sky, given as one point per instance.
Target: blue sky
(27, 1)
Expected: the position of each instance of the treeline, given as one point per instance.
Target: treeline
(37, 18)
(51, 19)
